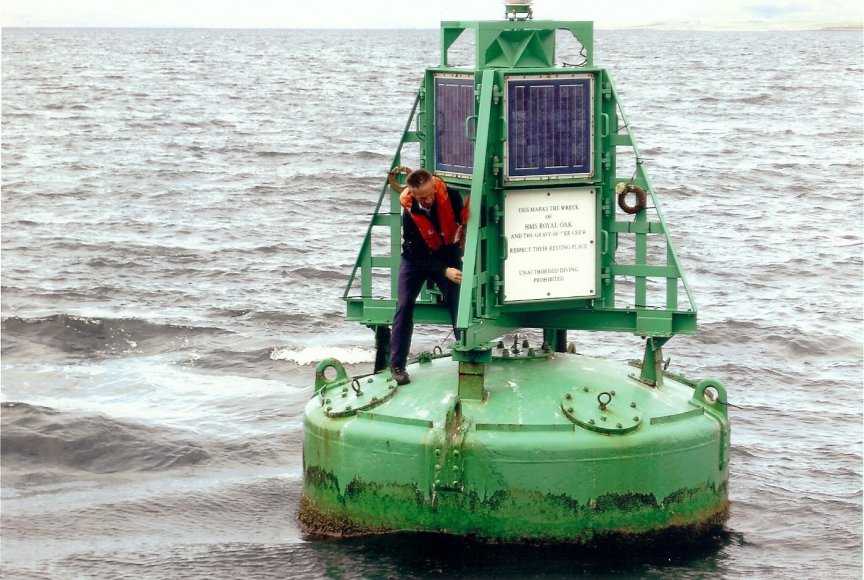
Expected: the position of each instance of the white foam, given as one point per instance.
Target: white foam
(315, 354)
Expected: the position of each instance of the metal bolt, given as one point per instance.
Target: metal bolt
(455, 453)
(585, 389)
(437, 467)
(590, 421)
(569, 409)
(569, 396)
(327, 401)
(369, 380)
(603, 418)
(329, 409)
(620, 425)
(633, 404)
(437, 452)
(344, 395)
(456, 483)
(455, 468)
(636, 419)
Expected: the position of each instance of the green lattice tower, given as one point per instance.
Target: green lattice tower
(465, 124)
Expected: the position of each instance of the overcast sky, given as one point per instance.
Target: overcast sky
(425, 13)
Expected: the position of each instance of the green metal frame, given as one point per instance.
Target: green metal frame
(526, 48)
(516, 44)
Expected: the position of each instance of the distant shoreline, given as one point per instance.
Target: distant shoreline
(665, 27)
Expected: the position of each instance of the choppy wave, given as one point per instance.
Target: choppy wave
(95, 337)
(769, 335)
(93, 443)
(38, 439)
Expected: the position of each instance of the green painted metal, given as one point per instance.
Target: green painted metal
(521, 443)
(562, 448)
(515, 44)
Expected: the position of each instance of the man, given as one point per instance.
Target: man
(432, 229)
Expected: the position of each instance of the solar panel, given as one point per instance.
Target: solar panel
(454, 103)
(550, 129)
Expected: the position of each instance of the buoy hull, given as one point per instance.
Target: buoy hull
(536, 459)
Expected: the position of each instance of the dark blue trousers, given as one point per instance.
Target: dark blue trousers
(411, 280)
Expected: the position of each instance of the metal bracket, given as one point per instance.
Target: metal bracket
(497, 94)
(606, 91)
(449, 467)
(497, 165)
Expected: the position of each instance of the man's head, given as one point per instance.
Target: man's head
(422, 187)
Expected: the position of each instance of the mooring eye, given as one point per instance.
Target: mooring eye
(600, 399)
(330, 373)
(710, 394)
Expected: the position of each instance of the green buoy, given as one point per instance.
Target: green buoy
(514, 442)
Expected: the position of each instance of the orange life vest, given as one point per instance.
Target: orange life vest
(444, 211)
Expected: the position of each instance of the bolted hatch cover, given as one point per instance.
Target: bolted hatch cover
(601, 411)
(342, 397)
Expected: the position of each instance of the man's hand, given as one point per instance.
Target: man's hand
(453, 275)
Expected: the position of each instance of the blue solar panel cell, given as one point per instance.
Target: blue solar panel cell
(550, 123)
(454, 103)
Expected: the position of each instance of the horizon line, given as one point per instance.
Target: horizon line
(666, 26)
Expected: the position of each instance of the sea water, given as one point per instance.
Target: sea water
(180, 213)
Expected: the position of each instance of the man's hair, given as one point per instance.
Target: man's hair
(418, 177)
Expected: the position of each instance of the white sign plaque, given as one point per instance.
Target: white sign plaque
(551, 244)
